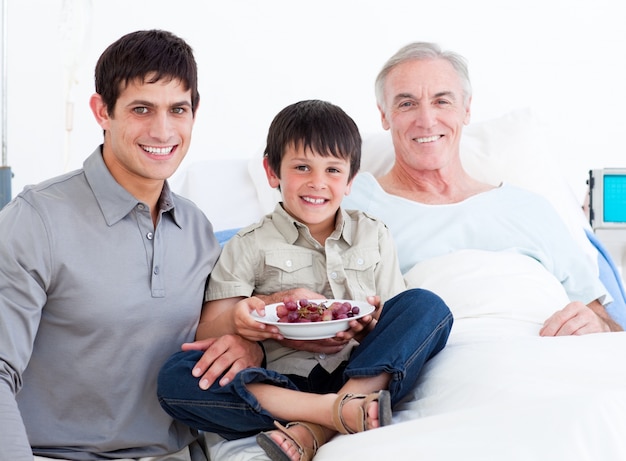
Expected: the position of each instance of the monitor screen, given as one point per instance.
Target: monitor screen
(607, 198)
(614, 198)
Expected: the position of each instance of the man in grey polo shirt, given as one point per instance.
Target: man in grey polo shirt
(102, 274)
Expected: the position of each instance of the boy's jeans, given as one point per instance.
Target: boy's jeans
(413, 327)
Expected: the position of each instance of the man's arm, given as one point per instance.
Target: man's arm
(213, 319)
(21, 300)
(231, 316)
(13, 440)
(224, 351)
(601, 312)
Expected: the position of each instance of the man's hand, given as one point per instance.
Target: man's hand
(578, 319)
(227, 354)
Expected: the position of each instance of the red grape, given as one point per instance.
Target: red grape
(307, 311)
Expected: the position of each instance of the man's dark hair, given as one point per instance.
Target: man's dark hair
(147, 56)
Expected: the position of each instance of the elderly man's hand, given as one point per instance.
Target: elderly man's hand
(578, 319)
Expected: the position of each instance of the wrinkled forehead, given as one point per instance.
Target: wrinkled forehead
(423, 78)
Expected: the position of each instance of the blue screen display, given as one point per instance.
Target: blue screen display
(615, 198)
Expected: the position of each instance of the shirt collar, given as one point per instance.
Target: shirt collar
(116, 202)
(291, 228)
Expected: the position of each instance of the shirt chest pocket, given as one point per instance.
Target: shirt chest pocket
(362, 260)
(360, 268)
(289, 270)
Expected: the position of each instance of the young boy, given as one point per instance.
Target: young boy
(309, 247)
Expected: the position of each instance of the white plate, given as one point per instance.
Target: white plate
(312, 330)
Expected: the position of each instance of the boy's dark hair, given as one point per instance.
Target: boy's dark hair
(155, 53)
(316, 125)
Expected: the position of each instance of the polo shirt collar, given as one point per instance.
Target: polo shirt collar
(116, 202)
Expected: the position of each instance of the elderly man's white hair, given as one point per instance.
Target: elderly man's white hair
(421, 51)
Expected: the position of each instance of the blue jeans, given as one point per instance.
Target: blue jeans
(413, 327)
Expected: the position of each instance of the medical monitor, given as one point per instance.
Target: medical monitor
(607, 198)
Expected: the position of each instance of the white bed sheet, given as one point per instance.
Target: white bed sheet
(494, 396)
(487, 397)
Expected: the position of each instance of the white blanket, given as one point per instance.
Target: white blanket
(498, 391)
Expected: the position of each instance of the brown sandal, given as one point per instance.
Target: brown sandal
(384, 411)
(275, 452)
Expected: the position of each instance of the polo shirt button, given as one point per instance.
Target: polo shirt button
(333, 275)
(149, 235)
(156, 270)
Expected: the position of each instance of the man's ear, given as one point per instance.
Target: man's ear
(468, 111)
(383, 118)
(100, 111)
(272, 178)
(195, 111)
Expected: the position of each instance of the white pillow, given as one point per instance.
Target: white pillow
(268, 197)
(207, 182)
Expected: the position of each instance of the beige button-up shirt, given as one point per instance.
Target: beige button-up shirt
(278, 254)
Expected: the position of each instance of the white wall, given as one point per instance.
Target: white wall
(565, 59)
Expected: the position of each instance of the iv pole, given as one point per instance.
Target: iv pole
(5, 170)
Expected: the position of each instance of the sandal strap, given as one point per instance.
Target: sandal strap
(368, 399)
(384, 411)
(319, 438)
(339, 422)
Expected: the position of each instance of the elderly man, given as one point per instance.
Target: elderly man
(433, 206)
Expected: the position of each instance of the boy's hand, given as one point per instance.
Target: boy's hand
(360, 328)
(245, 325)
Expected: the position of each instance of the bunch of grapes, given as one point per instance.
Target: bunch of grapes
(307, 311)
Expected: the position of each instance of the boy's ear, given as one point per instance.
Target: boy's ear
(272, 179)
(349, 187)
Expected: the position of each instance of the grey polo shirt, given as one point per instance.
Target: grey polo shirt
(93, 300)
(277, 254)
